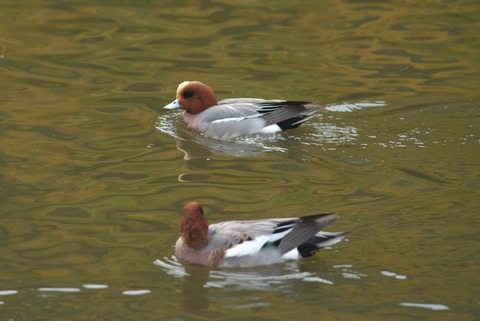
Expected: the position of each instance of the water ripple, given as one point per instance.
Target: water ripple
(261, 278)
(136, 292)
(8, 292)
(429, 306)
(64, 290)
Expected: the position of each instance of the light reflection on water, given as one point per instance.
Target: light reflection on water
(429, 306)
(200, 285)
(196, 282)
(265, 279)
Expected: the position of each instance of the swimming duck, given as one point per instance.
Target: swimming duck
(233, 117)
(251, 243)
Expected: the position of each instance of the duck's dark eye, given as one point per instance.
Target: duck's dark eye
(188, 93)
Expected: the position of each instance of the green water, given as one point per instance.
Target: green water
(94, 173)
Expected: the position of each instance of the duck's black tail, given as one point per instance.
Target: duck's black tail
(320, 240)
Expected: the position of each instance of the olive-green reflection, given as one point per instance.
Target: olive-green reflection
(91, 190)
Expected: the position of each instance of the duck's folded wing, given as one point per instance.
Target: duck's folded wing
(227, 111)
(241, 238)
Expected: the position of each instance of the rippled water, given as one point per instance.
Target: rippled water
(94, 173)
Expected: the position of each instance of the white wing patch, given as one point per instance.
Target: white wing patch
(271, 129)
(248, 247)
(254, 246)
(292, 255)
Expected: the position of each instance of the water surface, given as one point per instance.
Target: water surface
(94, 173)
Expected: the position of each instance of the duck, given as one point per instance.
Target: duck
(251, 243)
(233, 117)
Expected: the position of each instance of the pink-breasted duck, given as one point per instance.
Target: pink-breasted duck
(233, 117)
